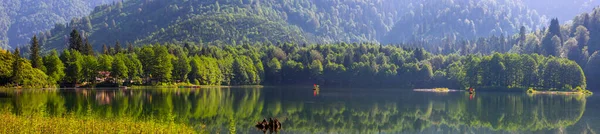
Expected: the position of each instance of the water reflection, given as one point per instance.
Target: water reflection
(361, 111)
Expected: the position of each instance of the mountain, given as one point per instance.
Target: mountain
(20, 19)
(308, 21)
(564, 10)
(433, 20)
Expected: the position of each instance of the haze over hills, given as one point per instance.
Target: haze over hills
(20, 19)
(312, 21)
(564, 10)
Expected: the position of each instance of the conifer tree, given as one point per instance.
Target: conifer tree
(36, 60)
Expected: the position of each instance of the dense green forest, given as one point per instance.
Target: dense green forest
(21, 19)
(577, 41)
(285, 63)
(310, 21)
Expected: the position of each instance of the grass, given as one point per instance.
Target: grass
(441, 89)
(576, 91)
(14, 124)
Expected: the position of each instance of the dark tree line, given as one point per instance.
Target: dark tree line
(340, 64)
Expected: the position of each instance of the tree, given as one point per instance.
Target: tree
(134, 66)
(117, 48)
(522, 35)
(34, 50)
(274, 70)
(592, 72)
(54, 67)
(550, 48)
(205, 70)
(73, 67)
(571, 51)
(75, 41)
(130, 48)
(119, 69)
(549, 42)
(17, 70)
(105, 62)
(163, 69)
(582, 35)
(88, 49)
(146, 56)
(105, 49)
(89, 68)
(316, 69)
(181, 67)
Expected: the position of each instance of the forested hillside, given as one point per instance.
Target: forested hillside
(432, 21)
(562, 9)
(311, 21)
(578, 41)
(21, 19)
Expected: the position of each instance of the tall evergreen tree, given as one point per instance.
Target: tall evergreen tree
(88, 49)
(548, 45)
(16, 68)
(130, 48)
(36, 60)
(522, 36)
(105, 49)
(117, 47)
(75, 41)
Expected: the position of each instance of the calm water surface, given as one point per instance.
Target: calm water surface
(302, 110)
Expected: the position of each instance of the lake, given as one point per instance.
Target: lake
(330, 110)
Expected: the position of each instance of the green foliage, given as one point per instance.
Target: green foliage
(30, 77)
(73, 66)
(119, 69)
(134, 66)
(6, 66)
(90, 67)
(76, 41)
(162, 70)
(105, 62)
(34, 50)
(205, 70)
(54, 67)
(181, 67)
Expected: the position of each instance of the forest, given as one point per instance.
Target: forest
(304, 21)
(356, 64)
(226, 44)
(21, 19)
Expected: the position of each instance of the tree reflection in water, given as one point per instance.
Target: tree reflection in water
(237, 110)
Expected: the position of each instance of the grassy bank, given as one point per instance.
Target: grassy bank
(14, 124)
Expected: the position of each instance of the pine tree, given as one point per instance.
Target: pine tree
(75, 41)
(17, 71)
(88, 50)
(117, 47)
(130, 48)
(548, 45)
(36, 60)
(522, 36)
(104, 49)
